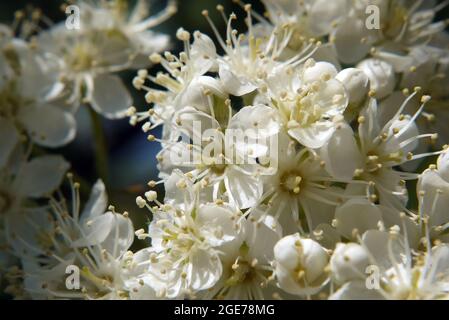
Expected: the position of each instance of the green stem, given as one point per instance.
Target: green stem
(101, 151)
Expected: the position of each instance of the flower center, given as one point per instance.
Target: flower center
(375, 162)
(100, 284)
(291, 182)
(303, 111)
(241, 272)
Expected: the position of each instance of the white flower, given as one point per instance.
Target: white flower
(401, 272)
(301, 265)
(28, 87)
(184, 80)
(403, 24)
(377, 150)
(356, 216)
(310, 101)
(186, 243)
(133, 23)
(95, 242)
(349, 262)
(141, 284)
(357, 85)
(250, 59)
(433, 196)
(428, 70)
(247, 270)
(108, 40)
(22, 183)
(223, 153)
(299, 187)
(296, 24)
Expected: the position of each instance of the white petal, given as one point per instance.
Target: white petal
(347, 41)
(203, 53)
(435, 202)
(235, 85)
(317, 70)
(110, 96)
(285, 252)
(262, 238)
(378, 243)
(356, 84)
(323, 14)
(381, 75)
(443, 165)
(357, 214)
(245, 190)
(25, 230)
(41, 175)
(210, 218)
(349, 262)
(341, 154)
(204, 270)
(97, 203)
(48, 126)
(193, 95)
(326, 95)
(314, 136)
(112, 231)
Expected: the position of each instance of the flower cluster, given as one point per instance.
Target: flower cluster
(296, 157)
(47, 71)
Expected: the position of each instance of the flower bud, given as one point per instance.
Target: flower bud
(300, 265)
(381, 76)
(316, 71)
(356, 83)
(349, 262)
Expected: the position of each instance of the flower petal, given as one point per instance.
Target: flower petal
(245, 190)
(341, 154)
(41, 176)
(110, 97)
(97, 203)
